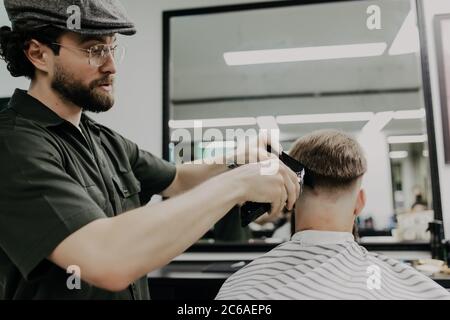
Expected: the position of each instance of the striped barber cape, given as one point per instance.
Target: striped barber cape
(327, 265)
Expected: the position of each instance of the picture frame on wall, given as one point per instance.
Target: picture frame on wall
(442, 34)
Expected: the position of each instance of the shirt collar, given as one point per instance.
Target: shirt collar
(32, 109)
(316, 237)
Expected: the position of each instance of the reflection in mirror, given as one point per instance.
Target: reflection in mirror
(301, 68)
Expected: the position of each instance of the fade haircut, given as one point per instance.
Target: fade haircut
(336, 159)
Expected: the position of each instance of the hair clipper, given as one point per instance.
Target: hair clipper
(250, 211)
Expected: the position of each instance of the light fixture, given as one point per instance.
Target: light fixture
(240, 58)
(378, 122)
(267, 122)
(407, 139)
(407, 39)
(212, 123)
(409, 114)
(325, 118)
(382, 119)
(398, 154)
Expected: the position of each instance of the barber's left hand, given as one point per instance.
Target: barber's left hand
(255, 149)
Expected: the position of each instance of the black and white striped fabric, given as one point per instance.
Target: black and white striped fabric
(328, 265)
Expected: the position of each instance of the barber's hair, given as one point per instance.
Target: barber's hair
(13, 43)
(336, 159)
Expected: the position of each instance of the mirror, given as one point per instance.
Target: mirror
(300, 68)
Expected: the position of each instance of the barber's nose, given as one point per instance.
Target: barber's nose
(109, 66)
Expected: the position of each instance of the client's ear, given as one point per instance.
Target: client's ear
(360, 202)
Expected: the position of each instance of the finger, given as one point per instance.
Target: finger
(291, 191)
(288, 184)
(263, 139)
(295, 180)
(264, 155)
(283, 203)
(277, 202)
(276, 214)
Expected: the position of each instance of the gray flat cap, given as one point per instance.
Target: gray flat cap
(92, 17)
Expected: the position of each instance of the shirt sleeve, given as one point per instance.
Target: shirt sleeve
(154, 174)
(40, 204)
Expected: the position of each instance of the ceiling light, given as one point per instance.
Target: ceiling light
(212, 123)
(407, 39)
(326, 118)
(398, 154)
(267, 122)
(407, 139)
(409, 114)
(239, 58)
(378, 122)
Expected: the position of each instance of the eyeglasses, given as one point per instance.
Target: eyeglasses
(99, 54)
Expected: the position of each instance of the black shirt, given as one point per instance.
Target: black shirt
(54, 180)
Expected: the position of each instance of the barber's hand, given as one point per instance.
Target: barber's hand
(268, 182)
(255, 149)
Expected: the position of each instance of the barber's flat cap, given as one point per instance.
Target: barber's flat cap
(96, 17)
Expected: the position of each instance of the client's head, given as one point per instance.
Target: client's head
(338, 163)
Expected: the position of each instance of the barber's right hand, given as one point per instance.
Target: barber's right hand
(271, 182)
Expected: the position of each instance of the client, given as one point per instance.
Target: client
(322, 259)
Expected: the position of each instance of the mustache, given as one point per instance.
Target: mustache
(108, 80)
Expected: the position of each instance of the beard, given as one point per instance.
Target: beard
(90, 98)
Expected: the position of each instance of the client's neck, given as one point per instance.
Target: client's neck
(316, 213)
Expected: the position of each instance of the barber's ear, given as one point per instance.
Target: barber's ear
(38, 53)
(360, 202)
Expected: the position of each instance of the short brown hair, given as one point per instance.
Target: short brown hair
(335, 158)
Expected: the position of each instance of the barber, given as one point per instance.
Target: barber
(72, 191)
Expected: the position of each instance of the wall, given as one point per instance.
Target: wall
(8, 84)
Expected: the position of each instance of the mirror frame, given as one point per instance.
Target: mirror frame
(438, 19)
(168, 15)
